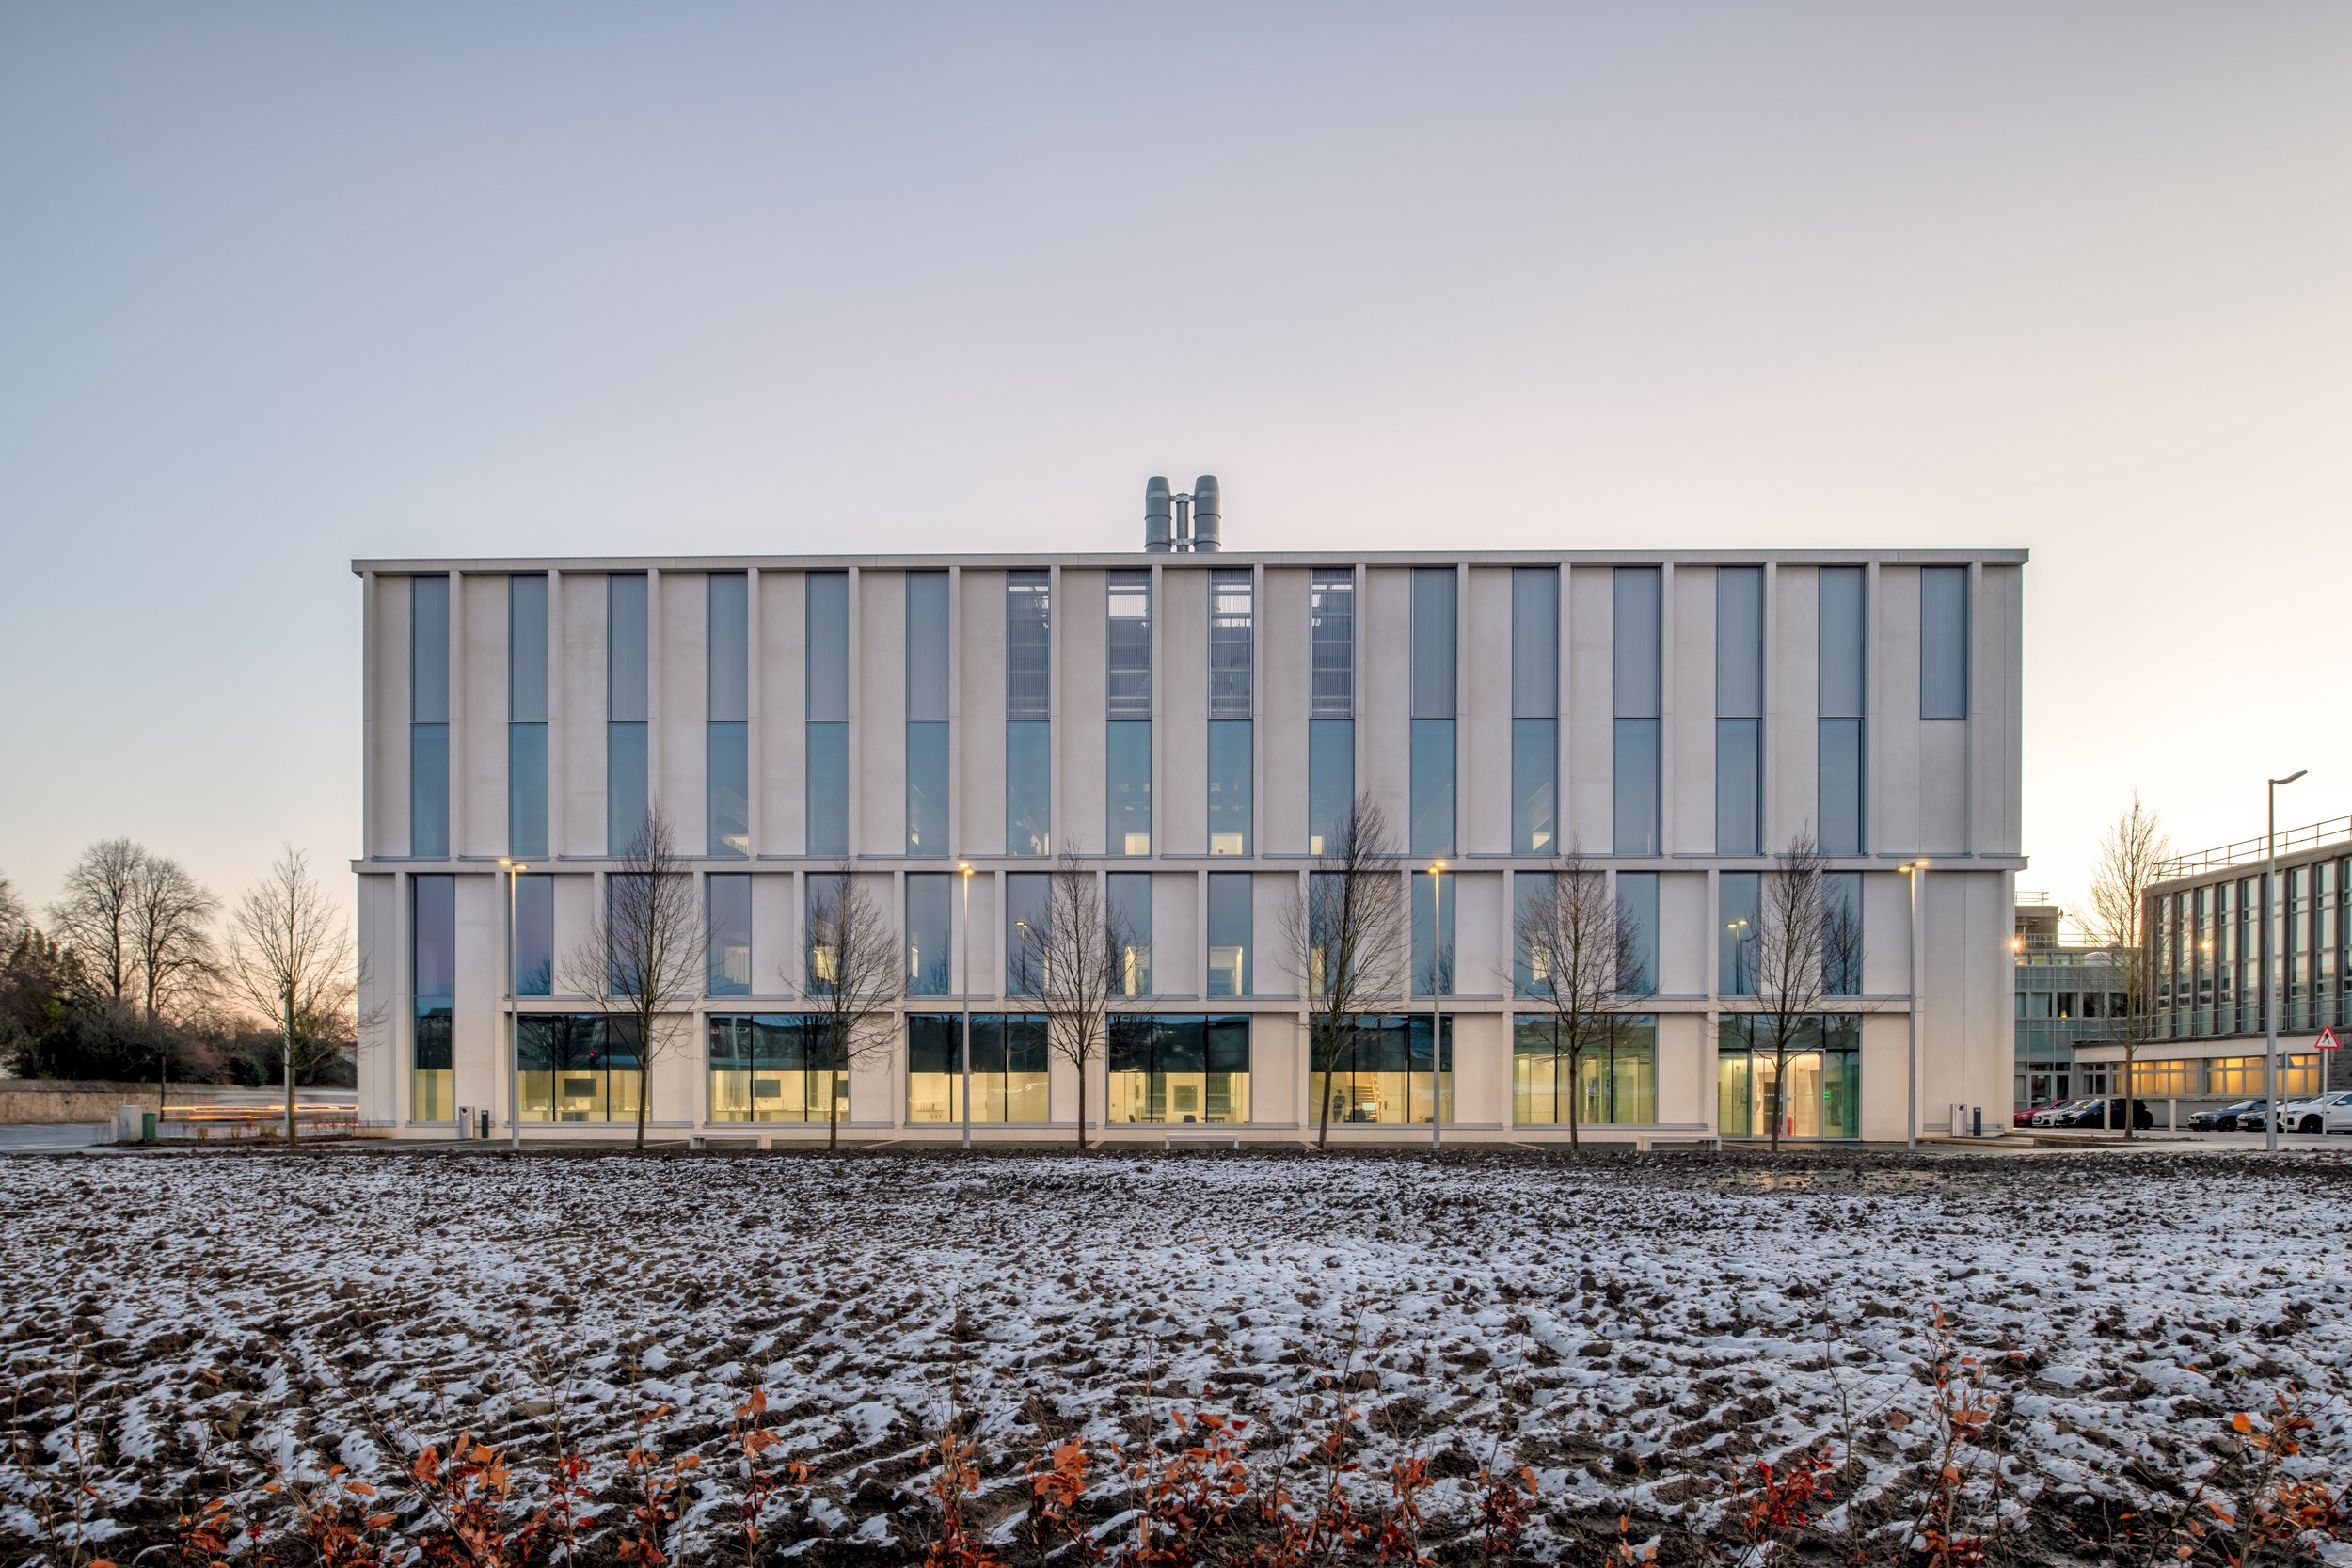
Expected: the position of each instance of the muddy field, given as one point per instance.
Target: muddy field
(1632, 1332)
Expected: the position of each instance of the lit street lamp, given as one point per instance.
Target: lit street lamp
(1917, 872)
(514, 1016)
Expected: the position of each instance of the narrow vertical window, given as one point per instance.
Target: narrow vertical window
(428, 716)
(1736, 933)
(535, 936)
(931, 931)
(1129, 894)
(1531, 964)
(1431, 828)
(726, 685)
(1943, 642)
(926, 713)
(828, 748)
(1435, 897)
(1841, 695)
(1841, 936)
(730, 945)
(527, 715)
(433, 976)
(1127, 740)
(1739, 710)
(627, 794)
(1027, 895)
(1635, 685)
(1330, 705)
(1028, 696)
(1534, 709)
(1232, 665)
(1637, 906)
(1229, 933)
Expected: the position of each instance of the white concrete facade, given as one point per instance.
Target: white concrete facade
(1944, 789)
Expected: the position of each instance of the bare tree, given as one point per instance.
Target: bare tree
(852, 976)
(13, 918)
(171, 942)
(1346, 941)
(1072, 966)
(643, 957)
(2131, 858)
(1584, 959)
(1803, 959)
(94, 916)
(290, 959)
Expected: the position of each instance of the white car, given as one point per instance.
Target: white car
(2050, 1115)
(2320, 1113)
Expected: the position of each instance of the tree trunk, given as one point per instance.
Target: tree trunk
(833, 1103)
(1082, 1106)
(2130, 1049)
(644, 1077)
(1780, 1092)
(289, 1073)
(1323, 1113)
(1576, 1109)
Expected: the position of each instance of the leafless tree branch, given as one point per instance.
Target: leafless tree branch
(643, 957)
(852, 976)
(1347, 942)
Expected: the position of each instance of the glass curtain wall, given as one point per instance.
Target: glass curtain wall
(726, 713)
(1381, 1074)
(1614, 1078)
(433, 982)
(1127, 741)
(1824, 1091)
(1010, 1069)
(771, 1067)
(1232, 673)
(1179, 1070)
(1028, 696)
(578, 1067)
(828, 722)
(526, 716)
(1330, 704)
(1842, 634)
(1534, 710)
(428, 716)
(1431, 828)
(1635, 686)
(1739, 710)
(926, 713)
(626, 711)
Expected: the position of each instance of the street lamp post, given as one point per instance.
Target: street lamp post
(513, 1017)
(1437, 998)
(2271, 965)
(963, 1046)
(1917, 872)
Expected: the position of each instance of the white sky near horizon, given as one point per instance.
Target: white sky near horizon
(283, 286)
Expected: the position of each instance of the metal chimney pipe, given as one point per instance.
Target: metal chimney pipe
(1206, 518)
(1159, 515)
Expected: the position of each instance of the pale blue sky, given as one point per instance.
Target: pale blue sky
(283, 285)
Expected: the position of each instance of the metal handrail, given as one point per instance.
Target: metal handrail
(2307, 837)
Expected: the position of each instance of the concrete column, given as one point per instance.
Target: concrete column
(755, 772)
(456, 726)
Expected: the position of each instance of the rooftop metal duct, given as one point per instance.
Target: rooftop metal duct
(1178, 521)
(1205, 517)
(1158, 515)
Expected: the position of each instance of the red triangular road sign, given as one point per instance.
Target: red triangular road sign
(2327, 1040)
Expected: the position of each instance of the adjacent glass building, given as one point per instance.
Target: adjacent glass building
(1194, 731)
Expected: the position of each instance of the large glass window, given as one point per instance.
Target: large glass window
(1229, 786)
(726, 698)
(828, 757)
(428, 716)
(1331, 633)
(1232, 661)
(527, 714)
(769, 1068)
(433, 982)
(730, 945)
(1823, 1097)
(1179, 1070)
(535, 936)
(727, 760)
(1531, 963)
(1127, 646)
(1229, 933)
(1129, 894)
(626, 798)
(1736, 933)
(1435, 899)
(1635, 686)
(1431, 828)
(1010, 1069)
(1841, 940)
(1637, 901)
(1381, 1074)
(1841, 646)
(930, 933)
(926, 713)
(1534, 709)
(826, 597)
(1615, 1077)
(1027, 895)
(578, 1067)
(1127, 758)
(1028, 645)
(1943, 642)
(1330, 780)
(1028, 786)
(1739, 710)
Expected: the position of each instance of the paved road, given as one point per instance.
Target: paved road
(51, 1139)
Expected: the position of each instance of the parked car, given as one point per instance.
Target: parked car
(2105, 1113)
(2252, 1121)
(2320, 1113)
(2225, 1119)
(2024, 1114)
(2052, 1115)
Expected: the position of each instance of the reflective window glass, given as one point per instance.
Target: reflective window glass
(930, 932)
(1129, 894)
(727, 775)
(1637, 903)
(1736, 932)
(730, 945)
(1635, 798)
(1534, 786)
(1738, 786)
(1943, 642)
(927, 786)
(1229, 786)
(1634, 655)
(726, 646)
(1128, 646)
(526, 789)
(1232, 654)
(1028, 896)
(1535, 642)
(428, 790)
(1229, 933)
(623, 786)
(1331, 632)
(1028, 645)
(1330, 780)
(535, 936)
(625, 648)
(828, 644)
(527, 647)
(827, 756)
(1028, 786)
(1431, 831)
(1127, 760)
(927, 647)
(1433, 642)
(1436, 900)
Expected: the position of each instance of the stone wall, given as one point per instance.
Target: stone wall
(50, 1102)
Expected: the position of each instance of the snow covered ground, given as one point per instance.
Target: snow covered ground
(1636, 1331)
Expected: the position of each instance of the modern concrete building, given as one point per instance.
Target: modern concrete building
(2070, 993)
(2211, 951)
(1192, 722)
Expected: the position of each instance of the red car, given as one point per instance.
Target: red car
(2025, 1113)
